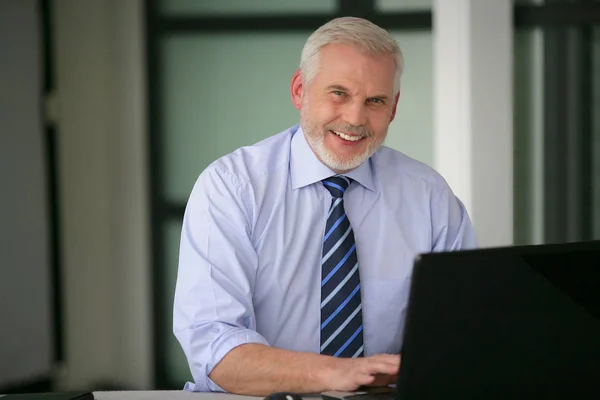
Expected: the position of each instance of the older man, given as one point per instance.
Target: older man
(297, 252)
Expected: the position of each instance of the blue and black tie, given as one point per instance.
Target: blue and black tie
(341, 310)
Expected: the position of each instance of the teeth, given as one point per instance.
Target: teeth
(347, 137)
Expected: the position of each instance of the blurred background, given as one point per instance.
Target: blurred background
(109, 110)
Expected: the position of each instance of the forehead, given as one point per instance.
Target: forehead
(347, 65)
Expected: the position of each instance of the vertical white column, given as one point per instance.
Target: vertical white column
(473, 122)
(99, 60)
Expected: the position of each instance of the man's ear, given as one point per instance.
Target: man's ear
(395, 106)
(297, 89)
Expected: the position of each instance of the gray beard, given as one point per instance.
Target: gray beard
(316, 140)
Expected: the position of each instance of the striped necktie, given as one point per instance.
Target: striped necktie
(341, 310)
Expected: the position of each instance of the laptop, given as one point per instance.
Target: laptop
(516, 322)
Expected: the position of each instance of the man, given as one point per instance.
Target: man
(296, 253)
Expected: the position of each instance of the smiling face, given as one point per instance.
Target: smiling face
(346, 109)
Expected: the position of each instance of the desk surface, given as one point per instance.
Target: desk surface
(168, 395)
(175, 395)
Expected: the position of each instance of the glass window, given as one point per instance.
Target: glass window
(411, 132)
(224, 7)
(528, 139)
(528, 2)
(403, 5)
(222, 92)
(551, 202)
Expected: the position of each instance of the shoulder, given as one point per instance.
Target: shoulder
(394, 166)
(227, 184)
(251, 163)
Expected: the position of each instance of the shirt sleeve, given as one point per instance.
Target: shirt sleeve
(452, 227)
(213, 310)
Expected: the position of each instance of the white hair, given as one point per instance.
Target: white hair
(351, 30)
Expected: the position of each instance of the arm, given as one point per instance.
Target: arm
(452, 227)
(259, 370)
(214, 315)
(213, 311)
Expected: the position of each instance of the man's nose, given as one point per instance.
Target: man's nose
(356, 114)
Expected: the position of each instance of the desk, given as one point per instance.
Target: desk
(168, 395)
(175, 395)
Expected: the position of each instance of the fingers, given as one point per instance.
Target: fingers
(384, 380)
(378, 370)
(389, 358)
(349, 375)
(387, 364)
(364, 380)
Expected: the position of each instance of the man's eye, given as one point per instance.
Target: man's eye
(338, 93)
(376, 100)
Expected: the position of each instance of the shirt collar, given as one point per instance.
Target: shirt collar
(306, 169)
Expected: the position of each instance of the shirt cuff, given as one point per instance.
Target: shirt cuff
(211, 386)
(229, 338)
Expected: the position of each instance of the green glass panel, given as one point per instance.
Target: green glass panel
(528, 139)
(224, 7)
(403, 5)
(411, 132)
(221, 92)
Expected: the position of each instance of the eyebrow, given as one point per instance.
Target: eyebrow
(337, 87)
(345, 89)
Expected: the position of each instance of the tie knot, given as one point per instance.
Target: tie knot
(337, 185)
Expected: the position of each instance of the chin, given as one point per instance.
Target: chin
(328, 153)
(344, 164)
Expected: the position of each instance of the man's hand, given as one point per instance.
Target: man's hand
(258, 370)
(348, 374)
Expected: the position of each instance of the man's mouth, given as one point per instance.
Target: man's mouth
(348, 137)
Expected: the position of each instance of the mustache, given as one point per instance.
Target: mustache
(354, 129)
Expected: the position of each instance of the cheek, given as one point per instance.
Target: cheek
(325, 113)
(379, 120)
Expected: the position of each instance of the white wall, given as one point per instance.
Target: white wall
(100, 100)
(473, 117)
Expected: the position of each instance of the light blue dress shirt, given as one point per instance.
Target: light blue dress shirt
(249, 266)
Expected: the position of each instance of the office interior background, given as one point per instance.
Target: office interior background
(109, 110)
